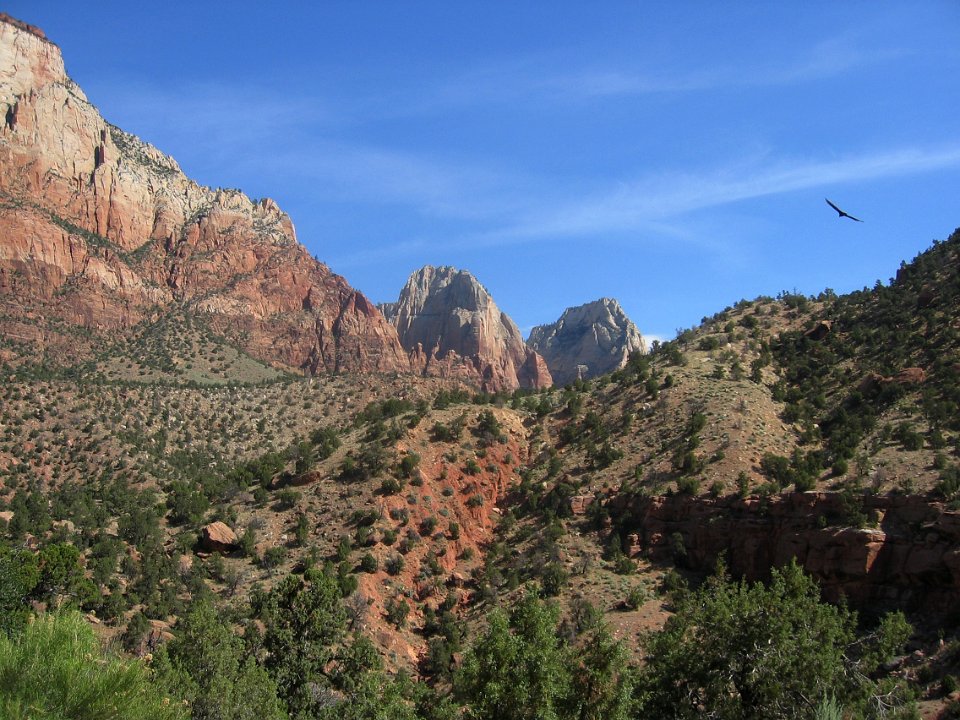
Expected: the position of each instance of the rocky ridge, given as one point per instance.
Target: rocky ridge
(879, 552)
(587, 341)
(101, 230)
(451, 327)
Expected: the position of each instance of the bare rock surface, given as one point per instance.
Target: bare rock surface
(102, 230)
(451, 327)
(587, 341)
(218, 537)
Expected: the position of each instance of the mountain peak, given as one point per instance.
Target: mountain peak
(588, 340)
(104, 231)
(26, 27)
(451, 326)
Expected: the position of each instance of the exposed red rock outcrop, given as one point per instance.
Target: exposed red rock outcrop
(907, 376)
(908, 556)
(101, 229)
(451, 327)
(820, 330)
(217, 537)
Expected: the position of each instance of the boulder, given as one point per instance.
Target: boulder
(218, 537)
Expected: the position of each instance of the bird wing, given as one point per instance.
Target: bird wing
(842, 213)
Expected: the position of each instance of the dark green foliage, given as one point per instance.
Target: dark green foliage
(384, 410)
(688, 485)
(19, 577)
(304, 619)
(369, 462)
(368, 563)
(207, 665)
(519, 669)
(446, 398)
(777, 468)
(61, 574)
(605, 455)
(949, 483)
(408, 464)
(186, 503)
(553, 577)
(287, 499)
(397, 611)
(394, 564)
(326, 441)
(750, 651)
(449, 432)
(390, 486)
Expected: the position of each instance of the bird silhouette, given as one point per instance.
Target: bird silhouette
(842, 213)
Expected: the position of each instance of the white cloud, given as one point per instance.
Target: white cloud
(655, 198)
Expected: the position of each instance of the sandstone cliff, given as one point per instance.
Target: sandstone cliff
(101, 230)
(451, 327)
(587, 341)
(877, 551)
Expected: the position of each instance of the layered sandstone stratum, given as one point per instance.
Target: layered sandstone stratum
(587, 341)
(101, 230)
(451, 327)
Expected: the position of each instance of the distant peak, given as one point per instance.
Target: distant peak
(587, 340)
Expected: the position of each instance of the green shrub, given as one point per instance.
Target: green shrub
(368, 563)
(390, 486)
(688, 485)
(394, 564)
(636, 596)
(553, 577)
(57, 669)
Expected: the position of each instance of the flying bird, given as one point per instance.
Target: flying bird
(842, 213)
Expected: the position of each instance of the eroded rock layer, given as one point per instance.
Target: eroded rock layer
(451, 327)
(587, 341)
(101, 230)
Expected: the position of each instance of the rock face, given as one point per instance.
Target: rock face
(908, 557)
(217, 537)
(587, 341)
(102, 230)
(451, 327)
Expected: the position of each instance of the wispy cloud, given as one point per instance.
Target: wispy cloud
(227, 116)
(657, 204)
(657, 197)
(537, 78)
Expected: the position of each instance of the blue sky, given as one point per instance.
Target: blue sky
(675, 156)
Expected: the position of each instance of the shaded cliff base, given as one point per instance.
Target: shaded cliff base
(876, 552)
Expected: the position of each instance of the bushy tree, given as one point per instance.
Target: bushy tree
(521, 669)
(19, 576)
(304, 619)
(739, 650)
(206, 663)
(517, 669)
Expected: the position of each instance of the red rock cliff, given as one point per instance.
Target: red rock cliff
(101, 229)
(906, 555)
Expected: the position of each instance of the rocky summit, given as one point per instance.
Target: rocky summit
(587, 341)
(101, 231)
(451, 327)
